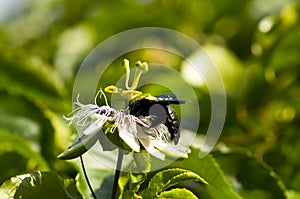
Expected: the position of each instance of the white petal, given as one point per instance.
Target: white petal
(127, 133)
(160, 132)
(171, 150)
(146, 141)
(93, 126)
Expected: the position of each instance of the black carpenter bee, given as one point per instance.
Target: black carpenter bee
(161, 109)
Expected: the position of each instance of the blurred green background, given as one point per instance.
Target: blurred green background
(254, 43)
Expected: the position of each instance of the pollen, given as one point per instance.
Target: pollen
(111, 89)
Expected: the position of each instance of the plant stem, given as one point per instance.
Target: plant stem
(117, 174)
(87, 179)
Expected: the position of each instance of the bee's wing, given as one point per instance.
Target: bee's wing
(169, 99)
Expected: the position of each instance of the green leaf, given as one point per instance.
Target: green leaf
(29, 76)
(70, 188)
(12, 142)
(290, 194)
(39, 185)
(136, 180)
(176, 193)
(20, 116)
(127, 194)
(168, 178)
(129, 184)
(106, 186)
(142, 162)
(252, 178)
(62, 132)
(207, 167)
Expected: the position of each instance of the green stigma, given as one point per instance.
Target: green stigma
(141, 67)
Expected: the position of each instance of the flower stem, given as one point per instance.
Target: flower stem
(117, 174)
(87, 179)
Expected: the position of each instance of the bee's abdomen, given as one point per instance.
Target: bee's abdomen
(172, 123)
